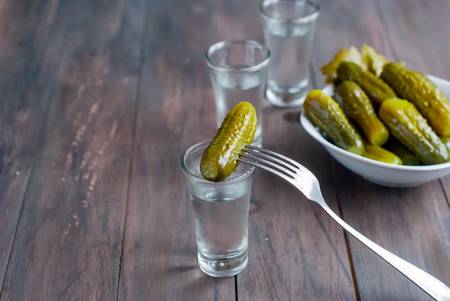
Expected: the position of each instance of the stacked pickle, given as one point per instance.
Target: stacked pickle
(382, 110)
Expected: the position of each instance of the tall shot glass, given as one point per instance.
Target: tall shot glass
(288, 32)
(238, 71)
(221, 215)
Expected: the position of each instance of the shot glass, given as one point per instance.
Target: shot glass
(288, 32)
(221, 215)
(238, 71)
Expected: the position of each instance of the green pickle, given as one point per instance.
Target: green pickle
(417, 88)
(378, 153)
(327, 115)
(377, 90)
(446, 141)
(412, 130)
(358, 107)
(408, 158)
(237, 129)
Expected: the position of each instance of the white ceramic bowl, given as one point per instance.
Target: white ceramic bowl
(379, 172)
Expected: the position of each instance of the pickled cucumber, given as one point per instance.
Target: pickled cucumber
(327, 115)
(350, 54)
(367, 58)
(238, 129)
(417, 88)
(375, 88)
(408, 158)
(446, 141)
(378, 153)
(373, 60)
(412, 130)
(357, 106)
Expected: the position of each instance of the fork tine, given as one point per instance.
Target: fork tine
(301, 170)
(276, 155)
(269, 169)
(256, 155)
(303, 179)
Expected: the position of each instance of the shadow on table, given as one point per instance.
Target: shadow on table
(181, 268)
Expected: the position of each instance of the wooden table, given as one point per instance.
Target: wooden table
(100, 98)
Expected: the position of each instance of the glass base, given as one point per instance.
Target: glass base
(223, 267)
(288, 98)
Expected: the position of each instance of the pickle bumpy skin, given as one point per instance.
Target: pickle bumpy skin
(358, 107)
(418, 89)
(377, 90)
(446, 141)
(412, 130)
(327, 115)
(237, 129)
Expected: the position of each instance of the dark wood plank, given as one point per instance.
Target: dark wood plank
(68, 242)
(29, 51)
(296, 251)
(175, 111)
(412, 223)
(69, 239)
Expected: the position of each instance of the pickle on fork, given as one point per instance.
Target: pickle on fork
(237, 129)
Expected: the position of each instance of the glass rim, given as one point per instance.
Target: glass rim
(222, 67)
(249, 172)
(297, 20)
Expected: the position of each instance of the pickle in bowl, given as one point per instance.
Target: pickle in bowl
(378, 153)
(358, 107)
(237, 130)
(446, 141)
(412, 130)
(418, 89)
(326, 114)
(377, 90)
(408, 157)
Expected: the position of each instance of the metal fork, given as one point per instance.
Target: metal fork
(305, 181)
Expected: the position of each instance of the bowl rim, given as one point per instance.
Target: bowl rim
(316, 135)
(319, 138)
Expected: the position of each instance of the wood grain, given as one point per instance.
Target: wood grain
(100, 99)
(68, 241)
(296, 251)
(175, 111)
(29, 52)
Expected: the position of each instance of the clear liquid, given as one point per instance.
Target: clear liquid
(290, 46)
(229, 91)
(221, 225)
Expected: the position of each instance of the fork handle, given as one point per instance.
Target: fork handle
(431, 285)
